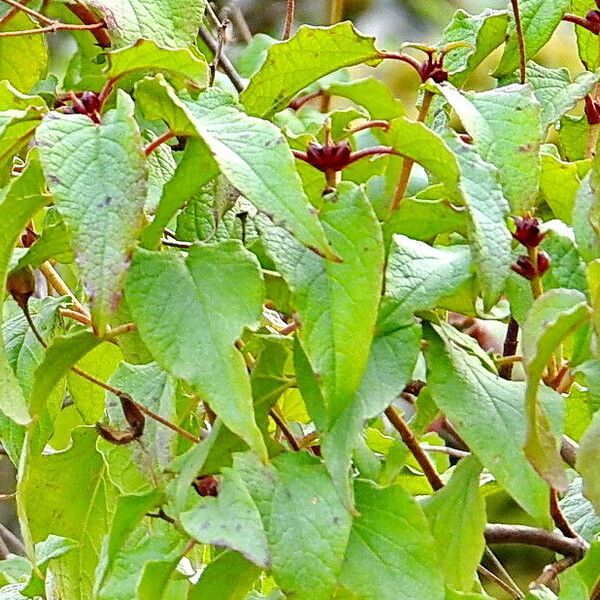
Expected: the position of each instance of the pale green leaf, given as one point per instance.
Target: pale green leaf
(23, 58)
(168, 23)
(184, 64)
(587, 42)
(247, 150)
(539, 19)
(483, 33)
(559, 184)
(488, 412)
(217, 583)
(505, 125)
(555, 92)
(23, 199)
(231, 520)
(129, 511)
(310, 54)
(554, 315)
(457, 518)
(189, 314)
(335, 301)
(391, 553)
(419, 275)
(79, 471)
(98, 177)
(301, 510)
(579, 511)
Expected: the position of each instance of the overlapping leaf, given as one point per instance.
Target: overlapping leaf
(98, 178)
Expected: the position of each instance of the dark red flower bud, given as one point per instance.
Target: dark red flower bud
(593, 17)
(528, 231)
(592, 110)
(21, 285)
(524, 267)
(438, 74)
(207, 485)
(543, 262)
(90, 101)
(28, 238)
(335, 157)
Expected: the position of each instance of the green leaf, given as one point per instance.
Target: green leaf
(579, 512)
(505, 125)
(488, 235)
(301, 510)
(310, 54)
(369, 93)
(587, 42)
(98, 177)
(54, 242)
(187, 181)
(586, 218)
(457, 518)
(217, 583)
(587, 462)
(247, 151)
(129, 511)
(185, 65)
(19, 116)
(422, 219)
(554, 315)
(335, 301)
(539, 20)
(88, 397)
(470, 180)
(23, 58)
(418, 276)
(231, 520)
(23, 199)
(391, 553)
(559, 184)
(555, 92)
(189, 314)
(64, 352)
(79, 470)
(483, 33)
(135, 468)
(168, 23)
(488, 412)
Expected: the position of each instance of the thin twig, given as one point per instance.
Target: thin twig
(559, 518)
(176, 244)
(369, 125)
(239, 22)
(11, 13)
(568, 451)
(446, 450)
(75, 315)
(520, 41)
(412, 443)
(290, 11)
(501, 584)
(12, 540)
(510, 348)
(336, 13)
(56, 281)
(530, 536)
(496, 562)
(161, 139)
(51, 29)
(224, 62)
(121, 330)
(85, 15)
(283, 426)
(552, 571)
(32, 13)
(408, 163)
(113, 390)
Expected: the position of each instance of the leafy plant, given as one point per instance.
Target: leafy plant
(250, 331)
